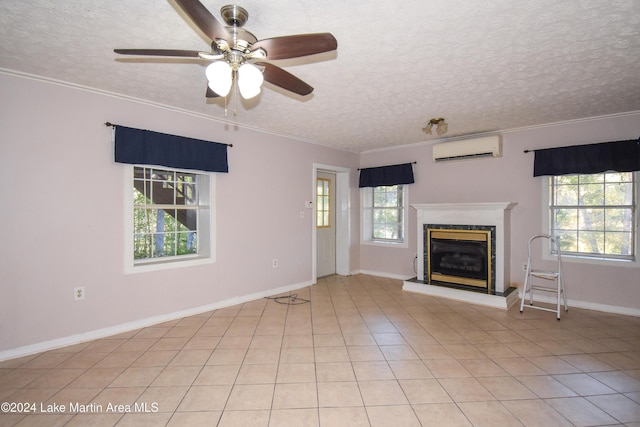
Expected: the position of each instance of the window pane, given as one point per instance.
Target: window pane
(165, 220)
(618, 219)
(169, 248)
(186, 194)
(139, 197)
(591, 195)
(591, 219)
(379, 198)
(568, 240)
(161, 175)
(385, 231)
(619, 177)
(187, 243)
(378, 231)
(597, 178)
(566, 219)
(566, 179)
(188, 219)
(385, 196)
(619, 244)
(144, 219)
(591, 242)
(566, 195)
(619, 194)
(378, 216)
(142, 246)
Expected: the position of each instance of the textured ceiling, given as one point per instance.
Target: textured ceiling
(484, 66)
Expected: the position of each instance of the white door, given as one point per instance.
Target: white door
(325, 224)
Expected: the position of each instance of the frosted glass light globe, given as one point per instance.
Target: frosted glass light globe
(219, 76)
(249, 80)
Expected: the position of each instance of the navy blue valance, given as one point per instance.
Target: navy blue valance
(386, 175)
(145, 147)
(619, 156)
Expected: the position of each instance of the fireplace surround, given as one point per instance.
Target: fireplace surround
(486, 221)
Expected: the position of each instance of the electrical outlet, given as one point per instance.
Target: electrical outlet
(524, 266)
(275, 263)
(78, 293)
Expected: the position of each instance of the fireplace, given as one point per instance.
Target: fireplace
(461, 255)
(463, 252)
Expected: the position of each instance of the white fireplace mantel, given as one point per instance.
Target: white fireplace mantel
(495, 214)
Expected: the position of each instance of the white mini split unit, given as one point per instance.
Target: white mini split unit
(488, 146)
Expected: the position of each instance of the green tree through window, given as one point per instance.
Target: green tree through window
(593, 215)
(165, 216)
(388, 213)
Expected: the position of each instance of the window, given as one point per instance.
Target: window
(323, 202)
(170, 217)
(594, 215)
(384, 214)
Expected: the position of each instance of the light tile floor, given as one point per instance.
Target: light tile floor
(362, 352)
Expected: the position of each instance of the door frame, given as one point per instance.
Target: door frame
(342, 212)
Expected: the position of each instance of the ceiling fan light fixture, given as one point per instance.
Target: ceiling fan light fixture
(441, 126)
(232, 46)
(220, 77)
(250, 80)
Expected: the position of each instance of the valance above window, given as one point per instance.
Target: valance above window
(619, 156)
(386, 175)
(145, 147)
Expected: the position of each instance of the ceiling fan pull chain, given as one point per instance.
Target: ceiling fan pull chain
(235, 96)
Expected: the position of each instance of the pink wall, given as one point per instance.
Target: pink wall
(62, 217)
(510, 179)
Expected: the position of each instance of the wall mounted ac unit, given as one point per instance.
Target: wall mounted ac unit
(488, 146)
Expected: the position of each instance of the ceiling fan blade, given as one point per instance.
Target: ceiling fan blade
(203, 19)
(211, 94)
(159, 52)
(279, 77)
(286, 47)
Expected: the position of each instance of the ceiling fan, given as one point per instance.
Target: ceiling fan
(238, 56)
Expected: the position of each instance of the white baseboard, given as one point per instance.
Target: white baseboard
(142, 323)
(605, 308)
(385, 275)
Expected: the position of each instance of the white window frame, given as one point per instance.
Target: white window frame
(366, 220)
(572, 258)
(206, 227)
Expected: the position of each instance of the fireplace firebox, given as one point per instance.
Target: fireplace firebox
(460, 255)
